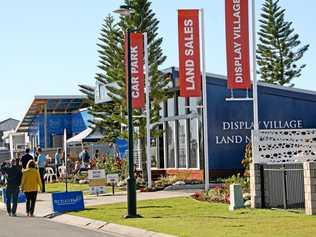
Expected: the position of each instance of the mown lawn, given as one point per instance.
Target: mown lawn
(191, 218)
(61, 187)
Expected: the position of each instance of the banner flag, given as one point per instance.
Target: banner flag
(137, 69)
(189, 53)
(237, 44)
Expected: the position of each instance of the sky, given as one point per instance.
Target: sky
(49, 47)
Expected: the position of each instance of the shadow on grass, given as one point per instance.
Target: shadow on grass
(144, 207)
(210, 217)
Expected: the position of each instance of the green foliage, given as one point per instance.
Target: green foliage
(218, 194)
(247, 160)
(278, 50)
(163, 182)
(237, 179)
(112, 117)
(113, 165)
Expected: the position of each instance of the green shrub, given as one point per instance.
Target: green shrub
(237, 179)
(113, 165)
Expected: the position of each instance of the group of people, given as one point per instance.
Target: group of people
(25, 176)
(28, 175)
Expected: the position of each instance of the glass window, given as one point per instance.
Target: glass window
(193, 146)
(161, 110)
(181, 105)
(182, 144)
(194, 102)
(171, 145)
(170, 105)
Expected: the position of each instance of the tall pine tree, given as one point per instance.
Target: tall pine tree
(113, 116)
(110, 52)
(143, 20)
(278, 50)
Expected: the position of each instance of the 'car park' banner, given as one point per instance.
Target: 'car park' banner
(237, 44)
(189, 53)
(137, 69)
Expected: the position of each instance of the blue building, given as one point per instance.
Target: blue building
(48, 116)
(229, 124)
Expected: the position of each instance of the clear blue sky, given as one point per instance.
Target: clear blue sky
(49, 47)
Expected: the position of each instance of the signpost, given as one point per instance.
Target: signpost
(112, 179)
(97, 183)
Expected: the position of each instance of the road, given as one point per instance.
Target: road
(40, 227)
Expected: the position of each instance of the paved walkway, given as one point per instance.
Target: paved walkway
(39, 227)
(44, 209)
(44, 203)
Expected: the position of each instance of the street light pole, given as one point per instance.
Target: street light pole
(131, 182)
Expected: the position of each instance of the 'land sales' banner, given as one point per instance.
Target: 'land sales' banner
(237, 44)
(189, 53)
(137, 69)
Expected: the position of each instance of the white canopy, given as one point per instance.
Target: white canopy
(80, 136)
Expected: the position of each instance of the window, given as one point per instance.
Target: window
(171, 145)
(182, 143)
(193, 145)
(194, 102)
(161, 110)
(181, 106)
(170, 105)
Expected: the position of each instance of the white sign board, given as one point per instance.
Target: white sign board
(112, 178)
(96, 174)
(97, 183)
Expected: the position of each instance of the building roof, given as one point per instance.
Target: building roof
(54, 104)
(211, 76)
(8, 124)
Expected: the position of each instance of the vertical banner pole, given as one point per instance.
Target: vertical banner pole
(147, 111)
(205, 127)
(254, 86)
(254, 69)
(65, 152)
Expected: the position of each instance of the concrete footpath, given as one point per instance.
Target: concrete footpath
(44, 209)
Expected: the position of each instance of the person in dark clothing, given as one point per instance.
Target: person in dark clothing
(26, 158)
(41, 164)
(13, 175)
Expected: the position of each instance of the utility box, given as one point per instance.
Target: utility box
(236, 199)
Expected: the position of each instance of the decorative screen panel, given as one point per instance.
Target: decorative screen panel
(285, 146)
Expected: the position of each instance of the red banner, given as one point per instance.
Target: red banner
(137, 69)
(189, 53)
(237, 44)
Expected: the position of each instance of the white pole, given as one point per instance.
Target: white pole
(148, 154)
(254, 70)
(65, 151)
(205, 127)
(65, 146)
(11, 145)
(254, 85)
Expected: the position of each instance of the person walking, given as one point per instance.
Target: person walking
(31, 181)
(84, 156)
(41, 163)
(13, 175)
(58, 163)
(26, 158)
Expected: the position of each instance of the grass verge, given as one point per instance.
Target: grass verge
(188, 217)
(61, 187)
